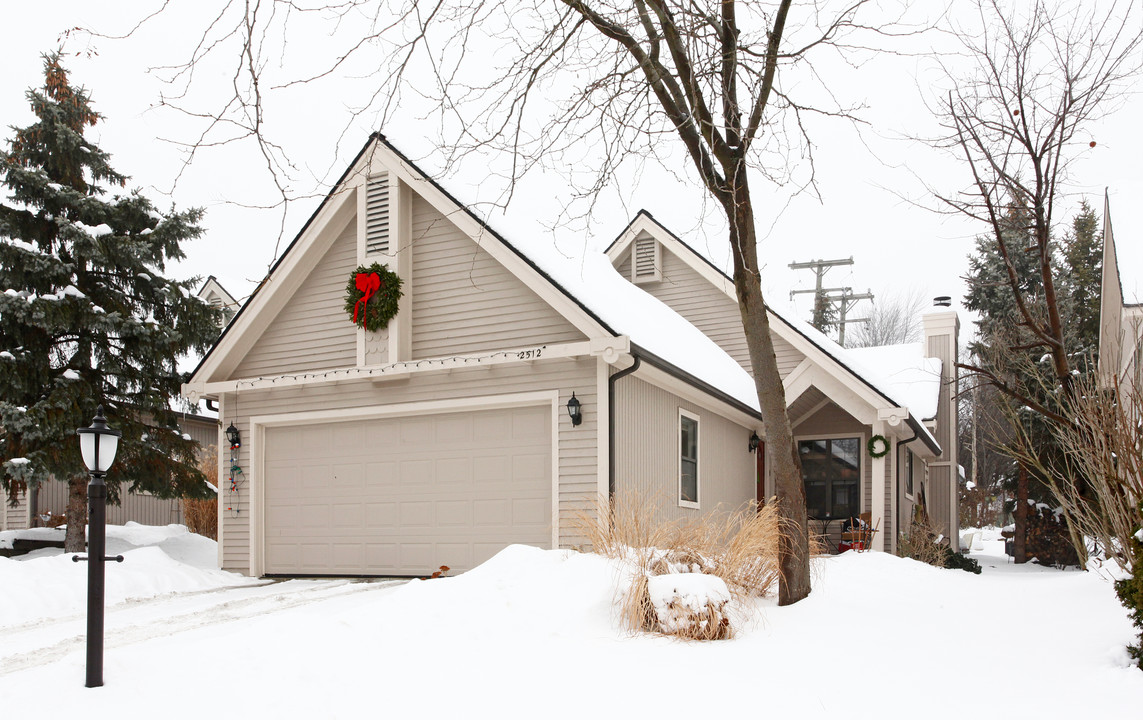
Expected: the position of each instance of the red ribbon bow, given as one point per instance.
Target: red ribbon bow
(367, 283)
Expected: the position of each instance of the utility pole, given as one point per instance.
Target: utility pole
(820, 267)
(845, 301)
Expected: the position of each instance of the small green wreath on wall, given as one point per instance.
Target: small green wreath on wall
(877, 446)
(372, 296)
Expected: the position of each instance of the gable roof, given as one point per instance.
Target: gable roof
(904, 387)
(605, 305)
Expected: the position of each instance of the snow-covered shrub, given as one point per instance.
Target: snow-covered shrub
(734, 554)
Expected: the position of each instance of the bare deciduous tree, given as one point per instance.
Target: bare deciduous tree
(591, 86)
(1042, 73)
(893, 320)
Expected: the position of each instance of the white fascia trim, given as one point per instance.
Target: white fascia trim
(259, 423)
(574, 314)
(646, 224)
(841, 394)
(604, 347)
(675, 386)
(276, 289)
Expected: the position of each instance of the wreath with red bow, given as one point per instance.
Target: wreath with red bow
(372, 296)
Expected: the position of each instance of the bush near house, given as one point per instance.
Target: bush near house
(201, 516)
(1130, 592)
(737, 552)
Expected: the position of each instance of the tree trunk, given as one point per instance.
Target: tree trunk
(1019, 539)
(74, 540)
(794, 543)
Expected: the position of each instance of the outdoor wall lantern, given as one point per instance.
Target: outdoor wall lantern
(755, 441)
(574, 411)
(97, 444)
(233, 437)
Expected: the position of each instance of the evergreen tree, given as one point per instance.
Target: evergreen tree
(1083, 260)
(86, 316)
(825, 314)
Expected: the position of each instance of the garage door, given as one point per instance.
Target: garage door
(403, 496)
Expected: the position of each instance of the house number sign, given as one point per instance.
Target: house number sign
(531, 354)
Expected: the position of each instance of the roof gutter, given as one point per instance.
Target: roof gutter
(675, 371)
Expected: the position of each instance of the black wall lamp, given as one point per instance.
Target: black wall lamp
(233, 437)
(755, 441)
(574, 411)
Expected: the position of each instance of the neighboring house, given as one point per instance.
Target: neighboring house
(447, 435)
(1120, 322)
(50, 498)
(213, 293)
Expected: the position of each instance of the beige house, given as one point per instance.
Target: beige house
(449, 434)
(1120, 322)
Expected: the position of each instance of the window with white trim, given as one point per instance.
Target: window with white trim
(688, 459)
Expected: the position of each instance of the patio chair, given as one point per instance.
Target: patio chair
(857, 534)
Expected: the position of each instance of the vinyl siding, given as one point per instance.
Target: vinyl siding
(706, 307)
(143, 509)
(647, 452)
(578, 463)
(465, 301)
(15, 517)
(312, 330)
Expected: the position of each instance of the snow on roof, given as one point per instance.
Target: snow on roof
(630, 311)
(908, 377)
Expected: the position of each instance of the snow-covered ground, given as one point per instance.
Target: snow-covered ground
(534, 634)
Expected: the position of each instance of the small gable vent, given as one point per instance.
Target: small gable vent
(645, 260)
(377, 215)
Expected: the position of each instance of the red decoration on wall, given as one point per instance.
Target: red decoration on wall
(367, 283)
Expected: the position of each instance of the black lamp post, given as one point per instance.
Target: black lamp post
(98, 444)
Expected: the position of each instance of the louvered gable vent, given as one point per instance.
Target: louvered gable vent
(645, 260)
(377, 215)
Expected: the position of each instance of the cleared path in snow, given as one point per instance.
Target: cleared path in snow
(134, 621)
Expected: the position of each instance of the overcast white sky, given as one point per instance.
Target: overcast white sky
(896, 245)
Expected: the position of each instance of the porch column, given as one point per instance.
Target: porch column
(877, 491)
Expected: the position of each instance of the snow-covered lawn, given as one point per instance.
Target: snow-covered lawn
(533, 634)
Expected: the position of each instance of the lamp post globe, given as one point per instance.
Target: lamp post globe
(98, 444)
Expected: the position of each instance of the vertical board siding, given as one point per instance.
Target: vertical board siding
(312, 331)
(577, 459)
(144, 509)
(647, 452)
(465, 301)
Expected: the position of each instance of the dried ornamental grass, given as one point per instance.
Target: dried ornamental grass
(739, 548)
(201, 516)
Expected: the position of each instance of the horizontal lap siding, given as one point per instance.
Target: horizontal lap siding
(312, 331)
(578, 463)
(706, 307)
(465, 301)
(647, 452)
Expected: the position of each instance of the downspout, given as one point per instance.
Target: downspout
(611, 425)
(897, 460)
(211, 405)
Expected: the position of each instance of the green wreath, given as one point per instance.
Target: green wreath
(372, 296)
(873, 443)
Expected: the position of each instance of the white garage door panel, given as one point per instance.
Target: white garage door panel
(406, 495)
